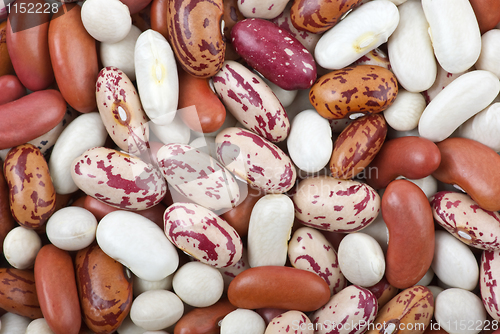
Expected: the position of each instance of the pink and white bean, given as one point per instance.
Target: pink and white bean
(291, 322)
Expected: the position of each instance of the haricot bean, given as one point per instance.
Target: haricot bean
(243, 166)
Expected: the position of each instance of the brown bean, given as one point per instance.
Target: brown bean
(135, 6)
(11, 88)
(204, 320)
(5, 62)
(18, 293)
(159, 17)
(278, 287)
(7, 222)
(383, 291)
(473, 167)
(487, 13)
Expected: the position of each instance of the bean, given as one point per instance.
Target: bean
(156, 309)
(12, 89)
(5, 62)
(19, 294)
(487, 13)
(21, 246)
(204, 320)
(112, 29)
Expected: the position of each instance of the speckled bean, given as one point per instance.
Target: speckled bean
(488, 275)
(19, 293)
(296, 320)
(262, 9)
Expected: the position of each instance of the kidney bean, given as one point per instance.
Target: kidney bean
(239, 216)
(409, 312)
(354, 91)
(19, 294)
(460, 159)
(405, 208)
(74, 58)
(14, 131)
(12, 89)
(268, 314)
(199, 107)
(395, 159)
(198, 44)
(104, 288)
(57, 291)
(383, 291)
(278, 287)
(159, 17)
(487, 13)
(156, 309)
(32, 195)
(135, 6)
(287, 63)
(27, 42)
(5, 62)
(204, 320)
(295, 319)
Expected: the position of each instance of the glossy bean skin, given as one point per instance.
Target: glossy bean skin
(357, 146)
(413, 306)
(105, 290)
(7, 222)
(487, 13)
(208, 113)
(32, 194)
(18, 293)
(278, 287)
(135, 6)
(27, 41)
(5, 62)
(362, 89)
(204, 320)
(159, 17)
(195, 33)
(74, 58)
(383, 291)
(287, 63)
(411, 157)
(319, 16)
(11, 88)
(408, 216)
(232, 15)
(57, 291)
(471, 166)
(14, 132)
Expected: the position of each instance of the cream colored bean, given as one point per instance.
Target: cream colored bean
(285, 97)
(483, 127)
(85, 132)
(156, 309)
(297, 321)
(264, 9)
(378, 230)
(405, 112)
(198, 284)
(443, 79)
(128, 327)
(21, 246)
(39, 326)
(107, 21)
(454, 33)
(310, 142)
(410, 49)
(121, 54)
(14, 324)
(457, 306)
(269, 230)
(428, 185)
(489, 59)
(459, 101)
(242, 321)
(71, 228)
(157, 79)
(175, 132)
(361, 259)
(426, 280)
(436, 290)
(374, 57)
(454, 263)
(142, 285)
(361, 31)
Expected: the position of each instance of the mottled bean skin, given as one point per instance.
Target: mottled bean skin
(319, 15)
(473, 167)
(412, 306)
(18, 293)
(195, 34)
(105, 290)
(278, 287)
(7, 222)
(411, 157)
(488, 282)
(356, 89)
(274, 53)
(383, 291)
(357, 146)
(408, 216)
(32, 194)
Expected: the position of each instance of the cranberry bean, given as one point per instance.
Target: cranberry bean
(291, 319)
(15, 130)
(395, 159)
(487, 13)
(27, 42)
(488, 273)
(5, 62)
(460, 159)
(57, 291)
(354, 91)
(107, 22)
(278, 287)
(19, 293)
(383, 291)
(287, 63)
(74, 58)
(229, 273)
(12, 89)
(262, 9)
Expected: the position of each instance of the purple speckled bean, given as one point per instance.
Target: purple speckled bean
(354, 305)
(202, 234)
(466, 220)
(274, 53)
(488, 284)
(335, 205)
(253, 158)
(251, 101)
(118, 179)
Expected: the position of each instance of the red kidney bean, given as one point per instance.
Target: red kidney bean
(135, 6)
(408, 216)
(274, 53)
(268, 314)
(18, 293)
(411, 157)
(5, 63)
(383, 291)
(473, 167)
(487, 13)
(74, 58)
(278, 287)
(57, 291)
(27, 41)
(11, 88)
(159, 17)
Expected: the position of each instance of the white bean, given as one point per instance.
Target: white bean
(175, 132)
(39, 326)
(14, 324)
(489, 59)
(107, 21)
(156, 309)
(21, 246)
(483, 127)
(142, 285)
(405, 112)
(242, 321)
